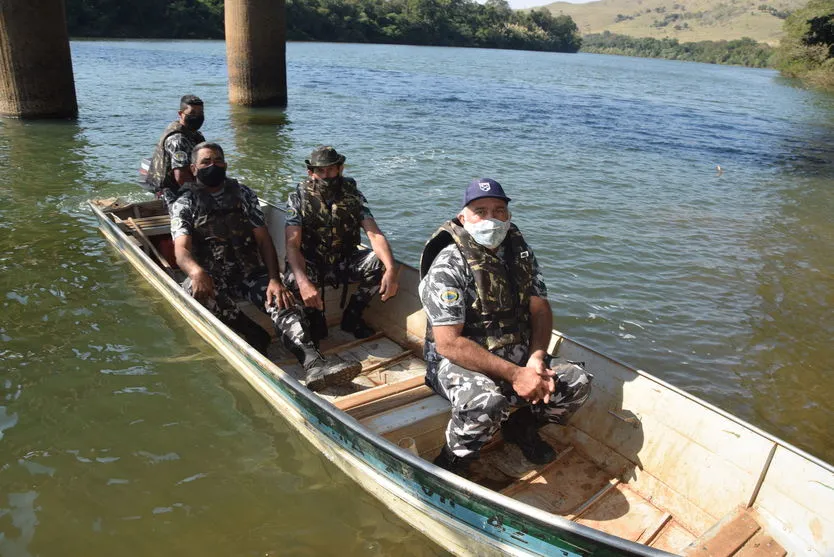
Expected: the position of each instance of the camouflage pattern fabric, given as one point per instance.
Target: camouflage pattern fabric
(173, 150)
(480, 405)
(331, 219)
(362, 267)
(499, 314)
(221, 226)
(223, 304)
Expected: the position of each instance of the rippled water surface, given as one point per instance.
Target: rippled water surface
(122, 433)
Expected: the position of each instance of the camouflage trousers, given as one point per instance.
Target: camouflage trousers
(480, 404)
(301, 326)
(224, 307)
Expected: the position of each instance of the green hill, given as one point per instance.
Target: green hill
(685, 20)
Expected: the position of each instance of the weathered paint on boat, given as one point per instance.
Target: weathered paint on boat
(467, 518)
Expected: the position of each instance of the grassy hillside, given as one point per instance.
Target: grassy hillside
(685, 20)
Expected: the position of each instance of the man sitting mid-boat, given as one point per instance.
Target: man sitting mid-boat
(221, 241)
(324, 217)
(488, 327)
(170, 166)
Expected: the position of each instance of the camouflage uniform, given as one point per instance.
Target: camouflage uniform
(455, 290)
(330, 220)
(172, 151)
(223, 244)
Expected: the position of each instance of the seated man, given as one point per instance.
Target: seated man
(488, 328)
(171, 163)
(324, 217)
(222, 243)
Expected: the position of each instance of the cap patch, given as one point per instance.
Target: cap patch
(485, 186)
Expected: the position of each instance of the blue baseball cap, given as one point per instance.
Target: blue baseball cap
(483, 187)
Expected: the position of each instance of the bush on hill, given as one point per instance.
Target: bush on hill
(807, 49)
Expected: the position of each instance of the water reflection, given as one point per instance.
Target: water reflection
(262, 156)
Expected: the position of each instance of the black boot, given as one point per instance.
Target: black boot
(320, 372)
(455, 464)
(318, 325)
(251, 332)
(522, 429)
(352, 321)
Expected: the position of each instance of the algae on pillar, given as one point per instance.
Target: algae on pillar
(256, 33)
(36, 78)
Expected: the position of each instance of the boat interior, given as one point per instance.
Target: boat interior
(640, 460)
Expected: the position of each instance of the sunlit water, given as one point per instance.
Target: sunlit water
(121, 433)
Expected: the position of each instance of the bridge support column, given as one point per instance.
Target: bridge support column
(36, 78)
(256, 44)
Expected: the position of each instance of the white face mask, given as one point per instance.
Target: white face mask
(488, 232)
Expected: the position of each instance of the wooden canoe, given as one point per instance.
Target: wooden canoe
(643, 469)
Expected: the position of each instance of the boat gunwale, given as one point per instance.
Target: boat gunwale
(488, 497)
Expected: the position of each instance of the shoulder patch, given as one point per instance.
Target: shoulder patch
(449, 296)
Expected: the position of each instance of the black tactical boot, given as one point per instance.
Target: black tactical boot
(318, 324)
(352, 321)
(522, 429)
(251, 332)
(321, 372)
(455, 464)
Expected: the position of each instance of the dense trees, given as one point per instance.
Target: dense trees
(421, 22)
(807, 49)
(741, 52)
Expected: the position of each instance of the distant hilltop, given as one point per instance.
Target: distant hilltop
(687, 21)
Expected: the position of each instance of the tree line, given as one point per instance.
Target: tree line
(418, 22)
(807, 47)
(740, 52)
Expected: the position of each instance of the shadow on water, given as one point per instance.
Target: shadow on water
(263, 144)
(789, 354)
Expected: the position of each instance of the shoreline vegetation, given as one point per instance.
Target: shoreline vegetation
(806, 51)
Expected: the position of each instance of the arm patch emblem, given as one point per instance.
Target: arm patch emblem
(449, 296)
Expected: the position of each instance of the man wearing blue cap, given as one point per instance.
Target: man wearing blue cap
(488, 328)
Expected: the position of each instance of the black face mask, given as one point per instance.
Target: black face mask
(211, 176)
(193, 121)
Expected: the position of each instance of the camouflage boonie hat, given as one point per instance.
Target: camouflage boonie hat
(324, 155)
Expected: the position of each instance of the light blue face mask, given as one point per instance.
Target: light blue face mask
(488, 232)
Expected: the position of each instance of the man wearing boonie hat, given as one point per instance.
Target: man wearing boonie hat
(488, 328)
(324, 217)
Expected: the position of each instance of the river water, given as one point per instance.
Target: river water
(122, 433)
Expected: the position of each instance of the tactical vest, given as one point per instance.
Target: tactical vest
(159, 174)
(222, 239)
(330, 228)
(500, 313)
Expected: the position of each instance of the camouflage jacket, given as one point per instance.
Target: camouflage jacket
(486, 291)
(221, 227)
(329, 226)
(160, 174)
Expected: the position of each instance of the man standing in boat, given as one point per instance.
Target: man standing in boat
(221, 241)
(488, 328)
(324, 217)
(171, 163)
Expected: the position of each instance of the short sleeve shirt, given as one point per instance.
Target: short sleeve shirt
(183, 214)
(294, 208)
(449, 288)
(179, 148)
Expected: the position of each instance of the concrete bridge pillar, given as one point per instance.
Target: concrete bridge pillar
(256, 43)
(36, 78)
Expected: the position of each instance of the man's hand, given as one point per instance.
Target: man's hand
(531, 385)
(536, 361)
(389, 285)
(202, 287)
(310, 295)
(277, 295)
